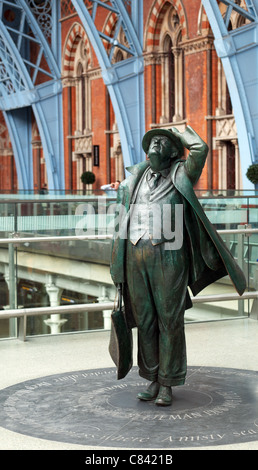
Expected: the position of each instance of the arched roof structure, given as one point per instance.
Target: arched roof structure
(30, 82)
(30, 75)
(30, 48)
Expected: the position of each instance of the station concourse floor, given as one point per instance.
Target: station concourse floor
(229, 344)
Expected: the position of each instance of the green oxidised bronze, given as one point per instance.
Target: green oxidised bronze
(152, 271)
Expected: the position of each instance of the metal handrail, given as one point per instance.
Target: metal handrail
(56, 198)
(16, 239)
(60, 309)
(95, 307)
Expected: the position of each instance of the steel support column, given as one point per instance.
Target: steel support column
(124, 80)
(238, 51)
(20, 93)
(19, 128)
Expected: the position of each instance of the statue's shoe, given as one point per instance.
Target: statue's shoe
(164, 397)
(151, 392)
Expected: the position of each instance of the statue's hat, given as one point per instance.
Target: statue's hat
(168, 133)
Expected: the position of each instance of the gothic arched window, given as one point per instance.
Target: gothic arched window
(81, 99)
(170, 58)
(172, 68)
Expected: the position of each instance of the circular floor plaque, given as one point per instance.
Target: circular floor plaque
(216, 406)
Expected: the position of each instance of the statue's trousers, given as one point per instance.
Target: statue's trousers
(157, 281)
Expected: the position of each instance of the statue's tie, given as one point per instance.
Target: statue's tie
(153, 182)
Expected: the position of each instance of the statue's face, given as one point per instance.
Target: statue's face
(161, 150)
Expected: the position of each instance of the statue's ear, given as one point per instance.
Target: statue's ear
(174, 154)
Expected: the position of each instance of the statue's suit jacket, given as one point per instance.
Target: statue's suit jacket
(209, 257)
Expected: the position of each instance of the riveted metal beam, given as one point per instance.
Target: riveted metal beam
(20, 94)
(124, 80)
(238, 51)
(18, 78)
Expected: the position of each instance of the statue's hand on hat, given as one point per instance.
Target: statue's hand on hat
(198, 152)
(187, 138)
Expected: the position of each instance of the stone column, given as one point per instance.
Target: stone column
(178, 116)
(85, 314)
(165, 89)
(222, 167)
(254, 309)
(10, 279)
(238, 177)
(104, 297)
(54, 322)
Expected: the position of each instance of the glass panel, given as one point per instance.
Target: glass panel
(56, 217)
(63, 273)
(226, 213)
(217, 310)
(30, 272)
(243, 248)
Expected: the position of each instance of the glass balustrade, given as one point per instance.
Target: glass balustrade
(55, 254)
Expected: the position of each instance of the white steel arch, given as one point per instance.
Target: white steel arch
(124, 80)
(238, 51)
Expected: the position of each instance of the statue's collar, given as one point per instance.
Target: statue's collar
(135, 169)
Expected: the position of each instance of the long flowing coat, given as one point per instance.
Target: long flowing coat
(209, 258)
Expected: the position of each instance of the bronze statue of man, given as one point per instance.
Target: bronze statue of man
(153, 269)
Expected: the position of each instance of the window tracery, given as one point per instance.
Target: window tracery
(172, 68)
